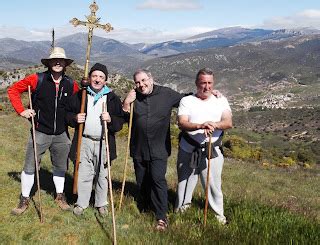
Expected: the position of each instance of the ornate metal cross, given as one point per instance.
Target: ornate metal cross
(92, 22)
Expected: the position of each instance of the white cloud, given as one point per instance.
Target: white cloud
(147, 35)
(307, 18)
(21, 33)
(310, 13)
(167, 5)
(151, 35)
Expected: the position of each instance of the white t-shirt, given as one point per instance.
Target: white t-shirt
(200, 111)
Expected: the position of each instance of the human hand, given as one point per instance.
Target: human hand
(129, 99)
(131, 96)
(85, 82)
(208, 127)
(28, 113)
(217, 93)
(105, 116)
(81, 117)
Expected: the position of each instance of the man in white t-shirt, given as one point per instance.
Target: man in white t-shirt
(200, 116)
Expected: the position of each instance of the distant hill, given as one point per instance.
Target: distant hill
(248, 63)
(221, 38)
(245, 68)
(116, 55)
(271, 78)
(125, 58)
(273, 85)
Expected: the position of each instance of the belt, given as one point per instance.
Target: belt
(92, 137)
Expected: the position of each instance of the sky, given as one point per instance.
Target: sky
(151, 21)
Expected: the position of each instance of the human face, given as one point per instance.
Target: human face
(144, 84)
(97, 80)
(204, 86)
(57, 65)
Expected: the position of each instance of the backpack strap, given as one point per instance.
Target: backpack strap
(69, 79)
(39, 82)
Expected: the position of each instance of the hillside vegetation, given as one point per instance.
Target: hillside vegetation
(271, 173)
(264, 204)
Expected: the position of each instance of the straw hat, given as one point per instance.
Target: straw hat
(57, 53)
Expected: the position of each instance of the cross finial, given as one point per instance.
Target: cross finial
(92, 21)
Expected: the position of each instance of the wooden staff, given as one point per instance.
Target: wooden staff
(109, 175)
(35, 155)
(92, 22)
(207, 184)
(127, 155)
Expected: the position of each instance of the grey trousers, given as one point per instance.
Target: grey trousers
(58, 145)
(188, 178)
(92, 173)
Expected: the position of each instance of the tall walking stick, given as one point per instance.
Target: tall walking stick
(92, 22)
(127, 155)
(109, 176)
(35, 155)
(207, 184)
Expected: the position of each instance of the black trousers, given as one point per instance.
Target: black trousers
(152, 185)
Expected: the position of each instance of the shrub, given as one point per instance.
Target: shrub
(239, 148)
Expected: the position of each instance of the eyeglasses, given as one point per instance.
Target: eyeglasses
(144, 80)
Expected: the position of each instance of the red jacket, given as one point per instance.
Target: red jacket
(49, 104)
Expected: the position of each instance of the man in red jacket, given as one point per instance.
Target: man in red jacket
(50, 91)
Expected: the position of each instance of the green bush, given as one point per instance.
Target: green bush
(239, 148)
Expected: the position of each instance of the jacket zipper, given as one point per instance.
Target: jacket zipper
(55, 116)
(38, 118)
(55, 112)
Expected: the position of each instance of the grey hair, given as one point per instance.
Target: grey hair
(204, 71)
(141, 71)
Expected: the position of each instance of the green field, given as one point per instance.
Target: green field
(264, 204)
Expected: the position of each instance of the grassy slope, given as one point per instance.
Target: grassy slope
(264, 205)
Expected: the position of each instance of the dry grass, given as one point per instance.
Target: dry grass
(264, 205)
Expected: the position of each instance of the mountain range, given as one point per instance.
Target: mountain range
(244, 60)
(221, 38)
(271, 78)
(124, 57)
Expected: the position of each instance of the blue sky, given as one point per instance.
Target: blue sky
(153, 20)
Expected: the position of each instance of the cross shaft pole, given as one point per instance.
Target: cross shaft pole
(91, 23)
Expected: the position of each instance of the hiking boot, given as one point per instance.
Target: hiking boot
(162, 225)
(61, 201)
(22, 206)
(102, 211)
(78, 210)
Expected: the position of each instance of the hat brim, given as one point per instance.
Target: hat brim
(46, 61)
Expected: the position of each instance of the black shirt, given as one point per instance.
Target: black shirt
(151, 124)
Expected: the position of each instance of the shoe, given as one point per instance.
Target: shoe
(61, 201)
(162, 225)
(102, 211)
(78, 211)
(221, 219)
(183, 208)
(22, 206)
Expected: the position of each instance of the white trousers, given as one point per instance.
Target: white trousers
(188, 178)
